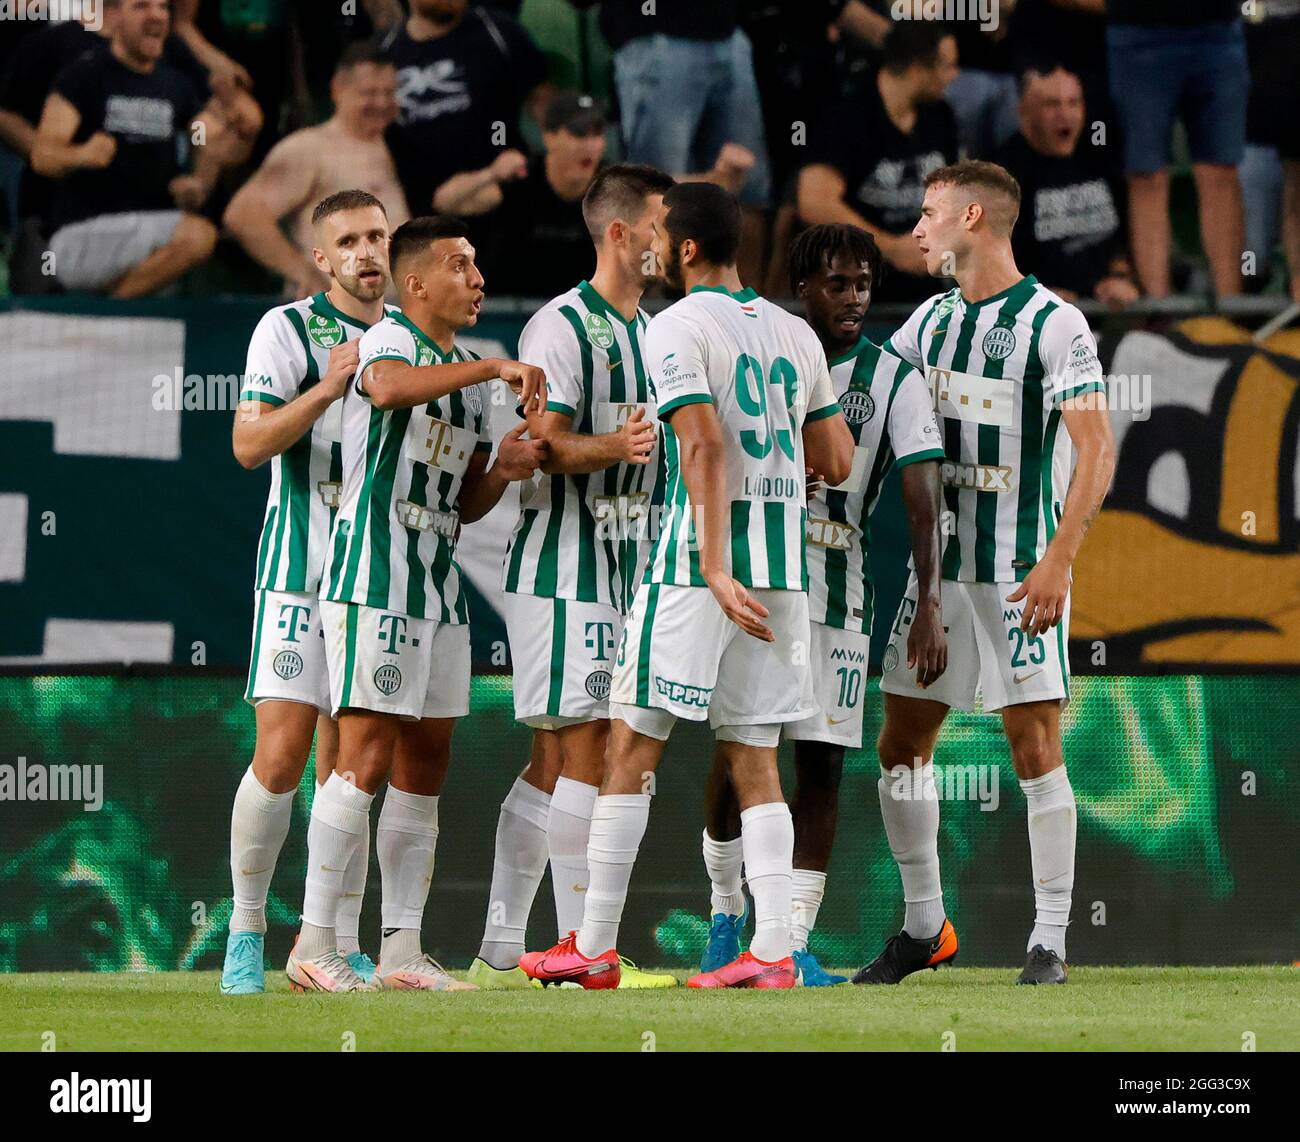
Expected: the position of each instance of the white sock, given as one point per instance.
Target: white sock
(618, 822)
(259, 822)
(806, 891)
(568, 826)
(340, 814)
(406, 840)
(909, 804)
(724, 859)
(516, 873)
(347, 923)
(768, 835)
(1052, 822)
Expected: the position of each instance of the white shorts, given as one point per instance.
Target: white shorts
(562, 654)
(681, 654)
(93, 253)
(395, 664)
(987, 651)
(839, 670)
(288, 659)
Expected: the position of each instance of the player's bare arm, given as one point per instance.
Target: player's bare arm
(1045, 588)
(482, 487)
(261, 432)
(578, 452)
(927, 645)
(395, 384)
(699, 435)
(828, 448)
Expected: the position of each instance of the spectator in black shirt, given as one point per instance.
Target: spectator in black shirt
(125, 209)
(461, 72)
(1070, 233)
(535, 240)
(869, 157)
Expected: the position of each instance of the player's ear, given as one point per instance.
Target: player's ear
(322, 262)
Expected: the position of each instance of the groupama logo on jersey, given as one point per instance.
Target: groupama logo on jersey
(599, 332)
(324, 331)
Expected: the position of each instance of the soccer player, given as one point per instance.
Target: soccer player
(719, 627)
(416, 442)
(572, 566)
(300, 359)
(1010, 365)
(833, 268)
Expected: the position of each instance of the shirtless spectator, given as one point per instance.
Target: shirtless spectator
(347, 150)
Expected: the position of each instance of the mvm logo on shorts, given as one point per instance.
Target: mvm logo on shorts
(981, 477)
(683, 694)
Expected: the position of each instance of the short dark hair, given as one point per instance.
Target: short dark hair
(706, 214)
(345, 200)
(359, 52)
(912, 41)
(417, 235)
(620, 191)
(818, 246)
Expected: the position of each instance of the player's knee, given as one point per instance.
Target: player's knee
(1033, 751)
(195, 237)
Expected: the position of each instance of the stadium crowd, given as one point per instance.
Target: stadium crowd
(1157, 142)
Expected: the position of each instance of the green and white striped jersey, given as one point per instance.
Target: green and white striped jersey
(394, 539)
(580, 536)
(288, 354)
(888, 410)
(764, 371)
(998, 371)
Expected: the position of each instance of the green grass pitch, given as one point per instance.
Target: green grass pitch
(1100, 1009)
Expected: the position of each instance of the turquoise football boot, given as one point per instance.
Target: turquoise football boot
(809, 973)
(362, 964)
(244, 972)
(724, 940)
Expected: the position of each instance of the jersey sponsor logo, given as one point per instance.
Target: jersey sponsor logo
(845, 654)
(388, 679)
(393, 629)
(610, 416)
(999, 343)
(258, 380)
(294, 620)
(1083, 358)
(979, 400)
(420, 518)
(683, 694)
(287, 664)
(599, 640)
(443, 442)
(830, 533)
(858, 406)
(598, 684)
(324, 331)
(890, 661)
(330, 492)
(981, 477)
(598, 330)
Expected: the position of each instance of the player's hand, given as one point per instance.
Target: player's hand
(1044, 591)
(509, 166)
(517, 458)
(187, 191)
(344, 359)
(927, 645)
(529, 384)
(740, 607)
(814, 482)
(636, 438)
(98, 151)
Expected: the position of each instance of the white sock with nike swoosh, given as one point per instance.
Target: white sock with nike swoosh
(259, 822)
(1052, 824)
(568, 827)
(340, 813)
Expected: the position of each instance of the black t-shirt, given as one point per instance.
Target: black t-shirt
(1172, 13)
(1071, 221)
(884, 170)
(623, 20)
(538, 244)
(451, 91)
(148, 115)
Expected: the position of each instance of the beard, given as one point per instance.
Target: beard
(351, 282)
(672, 271)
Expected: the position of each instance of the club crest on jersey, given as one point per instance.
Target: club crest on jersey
(598, 330)
(388, 679)
(287, 664)
(324, 331)
(473, 400)
(424, 357)
(999, 342)
(890, 661)
(858, 406)
(598, 684)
